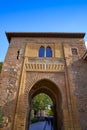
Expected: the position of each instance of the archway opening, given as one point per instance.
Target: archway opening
(42, 112)
(51, 90)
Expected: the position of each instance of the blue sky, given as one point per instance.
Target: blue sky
(41, 16)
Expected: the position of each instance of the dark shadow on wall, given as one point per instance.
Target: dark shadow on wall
(78, 70)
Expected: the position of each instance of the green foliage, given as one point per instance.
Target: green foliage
(41, 102)
(34, 120)
(1, 63)
(49, 112)
(1, 119)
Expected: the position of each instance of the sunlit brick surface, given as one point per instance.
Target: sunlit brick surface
(63, 77)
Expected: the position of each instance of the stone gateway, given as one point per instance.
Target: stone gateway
(50, 63)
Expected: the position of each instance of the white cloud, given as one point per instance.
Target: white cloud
(86, 43)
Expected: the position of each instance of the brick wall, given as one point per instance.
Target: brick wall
(13, 79)
(77, 75)
(10, 80)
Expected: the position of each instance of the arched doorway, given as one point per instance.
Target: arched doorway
(49, 88)
(42, 113)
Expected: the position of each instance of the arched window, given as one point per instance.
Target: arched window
(45, 52)
(41, 51)
(48, 52)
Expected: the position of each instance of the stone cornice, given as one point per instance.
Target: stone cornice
(44, 34)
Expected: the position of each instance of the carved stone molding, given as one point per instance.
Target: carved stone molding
(45, 67)
(43, 64)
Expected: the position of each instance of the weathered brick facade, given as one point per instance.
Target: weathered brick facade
(62, 76)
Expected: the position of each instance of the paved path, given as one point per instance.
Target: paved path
(40, 126)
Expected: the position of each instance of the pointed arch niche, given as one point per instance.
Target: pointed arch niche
(41, 51)
(48, 52)
(49, 88)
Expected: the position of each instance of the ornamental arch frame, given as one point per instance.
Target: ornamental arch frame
(47, 86)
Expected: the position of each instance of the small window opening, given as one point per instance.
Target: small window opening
(74, 51)
(18, 52)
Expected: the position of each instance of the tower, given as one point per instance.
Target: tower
(44, 62)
